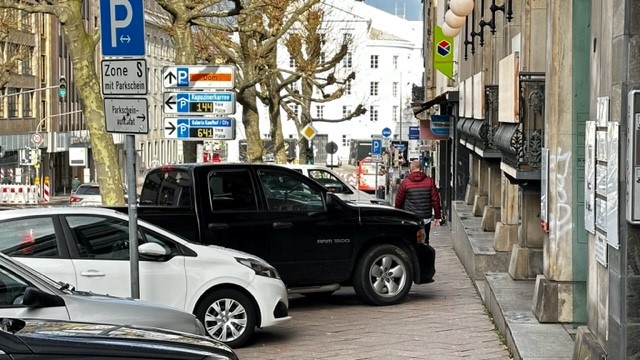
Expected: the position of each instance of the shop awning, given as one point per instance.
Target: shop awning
(449, 96)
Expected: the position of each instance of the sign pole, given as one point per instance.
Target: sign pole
(130, 150)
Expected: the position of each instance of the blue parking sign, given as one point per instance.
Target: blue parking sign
(376, 147)
(122, 28)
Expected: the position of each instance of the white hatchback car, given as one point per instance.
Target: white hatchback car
(231, 292)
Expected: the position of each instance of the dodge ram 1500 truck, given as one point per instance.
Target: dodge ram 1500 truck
(315, 240)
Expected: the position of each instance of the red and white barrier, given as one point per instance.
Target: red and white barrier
(45, 192)
(18, 194)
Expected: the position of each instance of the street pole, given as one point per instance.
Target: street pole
(130, 151)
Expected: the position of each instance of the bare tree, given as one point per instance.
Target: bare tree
(316, 61)
(81, 46)
(239, 32)
(10, 45)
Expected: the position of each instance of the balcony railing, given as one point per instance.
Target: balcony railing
(521, 143)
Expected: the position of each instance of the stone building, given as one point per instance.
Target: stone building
(539, 164)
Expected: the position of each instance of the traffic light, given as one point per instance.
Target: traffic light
(62, 88)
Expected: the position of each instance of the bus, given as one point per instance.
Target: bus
(370, 175)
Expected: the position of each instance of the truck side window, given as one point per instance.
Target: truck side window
(231, 190)
(170, 187)
(287, 193)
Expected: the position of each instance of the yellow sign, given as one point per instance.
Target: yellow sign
(37, 165)
(309, 132)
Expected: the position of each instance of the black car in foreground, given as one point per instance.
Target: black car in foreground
(43, 339)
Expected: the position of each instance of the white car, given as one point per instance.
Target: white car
(229, 291)
(335, 183)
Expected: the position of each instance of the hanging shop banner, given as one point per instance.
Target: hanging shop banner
(443, 52)
(440, 125)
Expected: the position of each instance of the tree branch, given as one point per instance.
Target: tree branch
(30, 8)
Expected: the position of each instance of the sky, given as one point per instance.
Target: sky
(412, 9)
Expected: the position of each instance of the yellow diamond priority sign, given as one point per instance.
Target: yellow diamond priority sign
(309, 132)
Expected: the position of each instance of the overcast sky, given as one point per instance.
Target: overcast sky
(412, 9)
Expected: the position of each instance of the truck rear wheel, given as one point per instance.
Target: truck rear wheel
(228, 316)
(383, 275)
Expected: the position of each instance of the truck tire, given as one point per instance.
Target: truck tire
(228, 316)
(383, 275)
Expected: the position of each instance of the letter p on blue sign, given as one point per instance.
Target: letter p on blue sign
(376, 147)
(122, 28)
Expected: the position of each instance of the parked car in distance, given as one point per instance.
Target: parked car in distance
(333, 160)
(51, 339)
(89, 195)
(86, 195)
(335, 183)
(229, 291)
(25, 293)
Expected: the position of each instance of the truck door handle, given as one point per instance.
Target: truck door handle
(282, 225)
(92, 273)
(218, 226)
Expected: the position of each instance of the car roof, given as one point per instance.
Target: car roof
(36, 211)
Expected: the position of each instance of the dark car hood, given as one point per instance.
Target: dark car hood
(384, 213)
(61, 336)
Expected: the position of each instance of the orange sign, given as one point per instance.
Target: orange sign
(210, 77)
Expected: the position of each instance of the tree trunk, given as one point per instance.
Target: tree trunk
(83, 54)
(185, 55)
(250, 120)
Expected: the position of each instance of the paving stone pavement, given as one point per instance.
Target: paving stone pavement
(444, 320)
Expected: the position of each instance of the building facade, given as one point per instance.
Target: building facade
(542, 158)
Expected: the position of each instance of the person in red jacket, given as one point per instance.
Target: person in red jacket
(418, 194)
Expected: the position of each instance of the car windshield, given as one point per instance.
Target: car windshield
(88, 190)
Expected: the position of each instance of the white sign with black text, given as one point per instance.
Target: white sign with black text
(124, 77)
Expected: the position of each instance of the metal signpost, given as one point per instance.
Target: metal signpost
(122, 35)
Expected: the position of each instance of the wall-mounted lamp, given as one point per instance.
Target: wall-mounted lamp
(455, 16)
(506, 8)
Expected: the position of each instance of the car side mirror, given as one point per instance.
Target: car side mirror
(34, 297)
(152, 250)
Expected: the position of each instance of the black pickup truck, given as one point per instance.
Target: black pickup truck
(316, 241)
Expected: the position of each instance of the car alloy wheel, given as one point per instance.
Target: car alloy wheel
(383, 276)
(228, 316)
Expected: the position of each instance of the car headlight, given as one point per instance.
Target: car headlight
(261, 268)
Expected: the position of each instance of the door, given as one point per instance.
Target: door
(232, 215)
(100, 253)
(38, 242)
(310, 245)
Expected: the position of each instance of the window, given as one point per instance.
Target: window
(292, 62)
(394, 114)
(348, 87)
(328, 180)
(26, 105)
(373, 113)
(296, 110)
(395, 62)
(394, 89)
(287, 193)
(373, 88)
(26, 62)
(2, 100)
(12, 288)
(346, 111)
(107, 238)
(320, 111)
(232, 191)
(323, 58)
(26, 21)
(345, 141)
(12, 102)
(35, 237)
(347, 37)
(295, 87)
(374, 61)
(323, 38)
(347, 61)
(169, 188)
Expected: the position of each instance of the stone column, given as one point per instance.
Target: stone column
(491, 214)
(507, 228)
(472, 186)
(480, 200)
(553, 298)
(526, 256)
